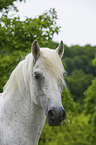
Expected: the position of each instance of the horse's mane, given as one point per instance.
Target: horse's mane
(50, 60)
(19, 74)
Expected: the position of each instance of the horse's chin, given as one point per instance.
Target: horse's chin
(54, 123)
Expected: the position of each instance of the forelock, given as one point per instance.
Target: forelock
(52, 62)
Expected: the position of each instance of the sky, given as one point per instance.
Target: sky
(77, 18)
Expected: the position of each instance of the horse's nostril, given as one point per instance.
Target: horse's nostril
(56, 114)
(51, 114)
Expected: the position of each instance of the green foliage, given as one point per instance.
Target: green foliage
(7, 64)
(77, 57)
(90, 102)
(4, 4)
(18, 35)
(94, 61)
(70, 106)
(79, 82)
(78, 132)
(78, 61)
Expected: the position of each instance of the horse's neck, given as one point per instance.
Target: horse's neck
(28, 118)
(21, 117)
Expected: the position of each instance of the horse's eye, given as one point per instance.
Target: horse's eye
(38, 76)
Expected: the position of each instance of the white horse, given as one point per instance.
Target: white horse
(32, 93)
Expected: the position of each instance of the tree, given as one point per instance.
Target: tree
(18, 35)
(77, 57)
(90, 102)
(90, 105)
(94, 60)
(90, 99)
(7, 64)
(79, 82)
(90, 108)
(4, 4)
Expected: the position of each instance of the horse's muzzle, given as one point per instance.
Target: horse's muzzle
(55, 116)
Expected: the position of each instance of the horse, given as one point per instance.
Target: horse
(32, 94)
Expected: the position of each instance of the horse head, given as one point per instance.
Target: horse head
(48, 78)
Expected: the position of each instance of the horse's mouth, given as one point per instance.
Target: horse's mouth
(53, 123)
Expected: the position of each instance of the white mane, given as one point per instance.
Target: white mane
(20, 75)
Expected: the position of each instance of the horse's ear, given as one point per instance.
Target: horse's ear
(35, 49)
(60, 49)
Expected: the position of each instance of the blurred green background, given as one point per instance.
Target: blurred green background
(79, 99)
